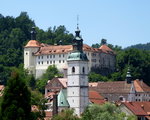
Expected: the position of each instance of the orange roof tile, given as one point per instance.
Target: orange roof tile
(138, 108)
(33, 43)
(106, 49)
(140, 86)
(96, 98)
(57, 49)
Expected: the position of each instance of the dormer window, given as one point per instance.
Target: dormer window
(73, 69)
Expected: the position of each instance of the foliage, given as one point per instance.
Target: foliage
(15, 33)
(139, 62)
(67, 114)
(106, 111)
(140, 46)
(50, 73)
(16, 99)
(94, 77)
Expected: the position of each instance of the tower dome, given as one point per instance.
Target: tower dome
(33, 43)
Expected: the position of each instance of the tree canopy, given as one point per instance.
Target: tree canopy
(16, 103)
(107, 111)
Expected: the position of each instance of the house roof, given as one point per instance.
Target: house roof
(106, 49)
(93, 84)
(46, 49)
(63, 81)
(113, 87)
(62, 98)
(140, 86)
(138, 108)
(33, 43)
(96, 98)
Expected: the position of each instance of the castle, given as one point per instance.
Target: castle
(38, 56)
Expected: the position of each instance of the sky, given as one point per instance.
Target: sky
(121, 22)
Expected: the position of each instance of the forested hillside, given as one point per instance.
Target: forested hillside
(140, 46)
(15, 33)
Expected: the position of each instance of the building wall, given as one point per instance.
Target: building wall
(39, 64)
(77, 89)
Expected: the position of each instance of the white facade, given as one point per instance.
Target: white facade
(77, 88)
(37, 64)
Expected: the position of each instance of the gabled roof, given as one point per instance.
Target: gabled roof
(63, 81)
(113, 87)
(106, 49)
(140, 86)
(46, 49)
(138, 108)
(62, 98)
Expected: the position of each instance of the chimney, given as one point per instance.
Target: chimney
(55, 105)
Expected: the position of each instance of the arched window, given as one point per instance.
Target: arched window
(73, 69)
(83, 70)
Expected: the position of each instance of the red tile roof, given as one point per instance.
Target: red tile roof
(33, 43)
(106, 49)
(138, 108)
(96, 98)
(140, 86)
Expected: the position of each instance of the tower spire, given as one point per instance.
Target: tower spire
(77, 22)
(33, 34)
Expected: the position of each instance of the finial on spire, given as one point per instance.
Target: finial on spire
(33, 34)
(77, 22)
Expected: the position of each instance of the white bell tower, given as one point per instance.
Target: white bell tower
(77, 87)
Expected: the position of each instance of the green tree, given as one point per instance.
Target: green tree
(138, 60)
(50, 73)
(16, 99)
(67, 114)
(106, 111)
(94, 77)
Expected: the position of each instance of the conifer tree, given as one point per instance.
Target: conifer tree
(16, 99)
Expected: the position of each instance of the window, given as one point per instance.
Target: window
(63, 61)
(47, 56)
(50, 56)
(39, 57)
(59, 61)
(50, 62)
(73, 69)
(47, 62)
(59, 55)
(42, 57)
(26, 53)
(54, 62)
(42, 62)
(53, 56)
(39, 62)
(83, 70)
(63, 55)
